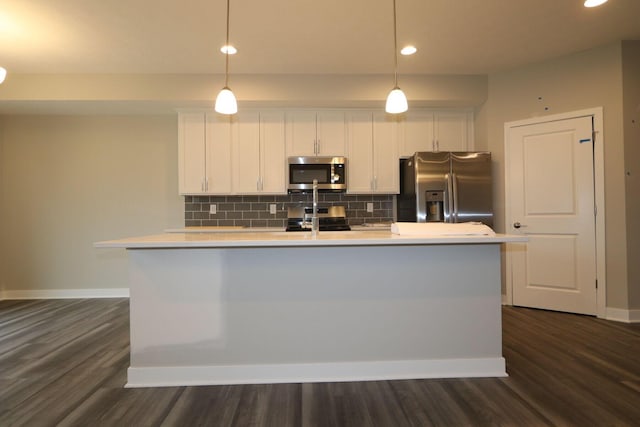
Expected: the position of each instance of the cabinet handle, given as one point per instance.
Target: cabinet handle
(206, 185)
(317, 146)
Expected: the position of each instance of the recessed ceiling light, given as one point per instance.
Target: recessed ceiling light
(229, 49)
(593, 3)
(408, 50)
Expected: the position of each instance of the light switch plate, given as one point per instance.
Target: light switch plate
(213, 209)
(369, 207)
(272, 208)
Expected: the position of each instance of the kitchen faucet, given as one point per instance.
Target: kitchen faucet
(315, 220)
(315, 223)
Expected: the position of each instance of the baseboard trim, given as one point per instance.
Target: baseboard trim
(171, 376)
(623, 315)
(65, 293)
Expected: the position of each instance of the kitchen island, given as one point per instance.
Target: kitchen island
(232, 308)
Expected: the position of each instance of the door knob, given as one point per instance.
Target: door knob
(518, 225)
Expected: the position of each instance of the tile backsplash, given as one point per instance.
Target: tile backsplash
(253, 211)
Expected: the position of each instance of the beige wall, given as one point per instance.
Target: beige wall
(631, 117)
(68, 181)
(147, 94)
(584, 80)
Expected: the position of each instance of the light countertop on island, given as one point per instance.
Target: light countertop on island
(294, 239)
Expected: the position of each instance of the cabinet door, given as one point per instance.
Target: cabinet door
(452, 131)
(218, 154)
(331, 133)
(191, 153)
(246, 144)
(360, 158)
(386, 162)
(272, 149)
(416, 133)
(259, 153)
(301, 133)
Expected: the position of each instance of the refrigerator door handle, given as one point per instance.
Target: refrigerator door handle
(454, 210)
(449, 196)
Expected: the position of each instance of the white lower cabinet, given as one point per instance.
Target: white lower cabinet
(259, 153)
(373, 153)
(204, 153)
(425, 130)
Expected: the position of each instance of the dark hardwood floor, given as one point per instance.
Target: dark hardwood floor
(63, 362)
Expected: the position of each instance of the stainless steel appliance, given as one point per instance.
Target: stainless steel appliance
(330, 172)
(332, 218)
(446, 187)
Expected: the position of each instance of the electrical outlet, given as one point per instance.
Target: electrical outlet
(213, 209)
(272, 208)
(369, 207)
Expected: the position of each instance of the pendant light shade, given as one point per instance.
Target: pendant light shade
(3, 74)
(226, 100)
(396, 101)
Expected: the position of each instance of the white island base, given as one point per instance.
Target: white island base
(235, 314)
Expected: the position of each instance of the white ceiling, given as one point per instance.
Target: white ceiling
(302, 36)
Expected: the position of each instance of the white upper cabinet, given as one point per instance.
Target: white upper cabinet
(453, 130)
(204, 153)
(218, 149)
(259, 153)
(311, 133)
(423, 130)
(386, 163)
(247, 153)
(373, 153)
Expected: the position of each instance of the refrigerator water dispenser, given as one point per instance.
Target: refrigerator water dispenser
(435, 206)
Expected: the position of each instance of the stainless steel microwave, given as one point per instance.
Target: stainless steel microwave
(331, 173)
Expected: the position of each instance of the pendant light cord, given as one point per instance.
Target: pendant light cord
(226, 70)
(395, 45)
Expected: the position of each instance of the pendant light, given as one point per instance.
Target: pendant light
(396, 101)
(3, 74)
(226, 100)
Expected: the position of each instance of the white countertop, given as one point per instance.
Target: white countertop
(240, 229)
(232, 239)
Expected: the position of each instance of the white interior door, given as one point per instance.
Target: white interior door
(550, 198)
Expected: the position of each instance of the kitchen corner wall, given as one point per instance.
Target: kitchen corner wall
(575, 82)
(253, 211)
(69, 181)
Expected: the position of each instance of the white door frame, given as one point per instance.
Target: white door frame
(598, 169)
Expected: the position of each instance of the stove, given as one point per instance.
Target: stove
(332, 218)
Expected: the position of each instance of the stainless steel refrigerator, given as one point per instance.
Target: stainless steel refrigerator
(446, 187)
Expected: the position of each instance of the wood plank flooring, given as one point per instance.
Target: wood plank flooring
(63, 363)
